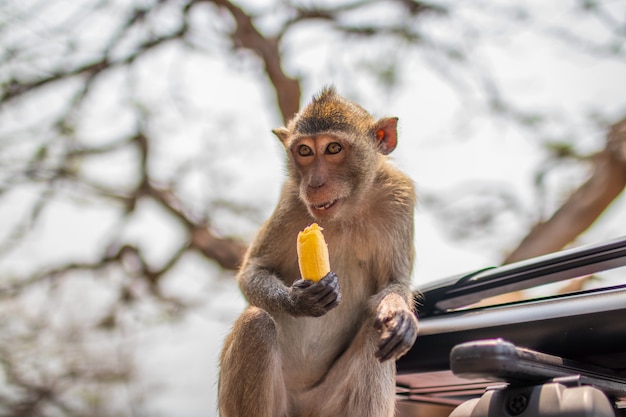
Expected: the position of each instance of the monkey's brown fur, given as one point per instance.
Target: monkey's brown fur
(327, 349)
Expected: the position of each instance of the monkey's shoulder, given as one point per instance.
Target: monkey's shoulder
(277, 237)
(393, 187)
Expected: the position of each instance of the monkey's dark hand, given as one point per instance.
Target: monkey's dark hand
(308, 298)
(398, 331)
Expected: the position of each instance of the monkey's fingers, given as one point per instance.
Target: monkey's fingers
(329, 295)
(302, 284)
(331, 300)
(320, 289)
(389, 339)
(330, 281)
(325, 302)
(315, 298)
(397, 337)
(326, 285)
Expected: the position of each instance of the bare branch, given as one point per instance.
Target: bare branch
(15, 88)
(584, 206)
(227, 252)
(247, 36)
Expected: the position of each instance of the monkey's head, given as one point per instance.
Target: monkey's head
(334, 148)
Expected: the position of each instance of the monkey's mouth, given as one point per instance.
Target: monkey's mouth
(324, 206)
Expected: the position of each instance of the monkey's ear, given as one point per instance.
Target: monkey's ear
(386, 131)
(282, 133)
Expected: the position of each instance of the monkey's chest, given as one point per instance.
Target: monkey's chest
(310, 345)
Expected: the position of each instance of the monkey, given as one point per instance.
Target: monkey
(305, 349)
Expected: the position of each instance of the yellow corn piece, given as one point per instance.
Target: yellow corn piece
(313, 253)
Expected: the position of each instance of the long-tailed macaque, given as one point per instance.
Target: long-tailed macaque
(327, 349)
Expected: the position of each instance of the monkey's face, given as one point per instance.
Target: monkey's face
(334, 148)
(330, 172)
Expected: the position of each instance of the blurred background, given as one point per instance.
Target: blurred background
(137, 162)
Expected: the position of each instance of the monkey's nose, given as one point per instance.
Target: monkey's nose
(317, 181)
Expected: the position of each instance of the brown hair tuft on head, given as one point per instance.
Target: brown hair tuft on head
(330, 112)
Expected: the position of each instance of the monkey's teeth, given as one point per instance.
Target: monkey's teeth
(324, 206)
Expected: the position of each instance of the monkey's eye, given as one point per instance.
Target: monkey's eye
(304, 150)
(333, 148)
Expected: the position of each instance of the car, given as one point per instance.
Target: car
(472, 359)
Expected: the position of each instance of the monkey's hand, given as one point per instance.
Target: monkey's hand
(308, 298)
(398, 331)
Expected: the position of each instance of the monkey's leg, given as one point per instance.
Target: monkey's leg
(251, 381)
(358, 384)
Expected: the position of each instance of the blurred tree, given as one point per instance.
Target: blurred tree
(117, 124)
(583, 207)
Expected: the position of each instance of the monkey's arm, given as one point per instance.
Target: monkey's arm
(395, 320)
(303, 298)
(269, 276)
(393, 302)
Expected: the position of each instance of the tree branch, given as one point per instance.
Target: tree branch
(15, 88)
(584, 206)
(247, 36)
